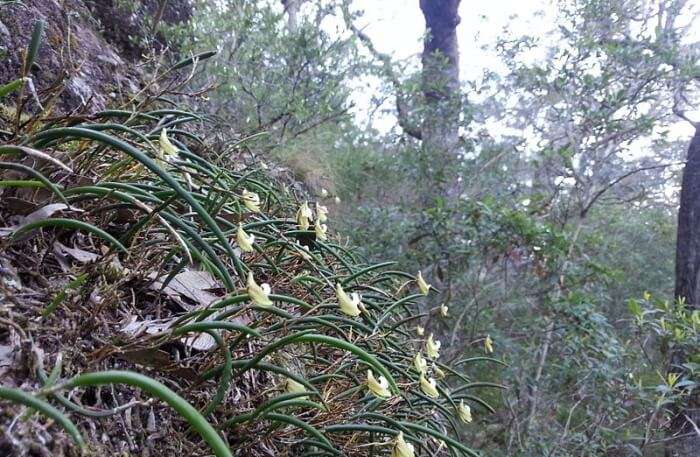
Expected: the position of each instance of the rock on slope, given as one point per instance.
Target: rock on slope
(89, 47)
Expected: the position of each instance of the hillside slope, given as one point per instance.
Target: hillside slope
(162, 294)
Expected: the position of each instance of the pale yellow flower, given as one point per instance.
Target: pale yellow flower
(259, 294)
(324, 192)
(251, 200)
(420, 331)
(304, 215)
(672, 379)
(678, 334)
(294, 387)
(401, 447)
(439, 374)
(488, 344)
(304, 251)
(419, 363)
(429, 387)
(244, 240)
(348, 305)
(380, 388)
(443, 310)
(321, 213)
(422, 285)
(432, 347)
(647, 296)
(167, 149)
(337, 200)
(320, 230)
(464, 412)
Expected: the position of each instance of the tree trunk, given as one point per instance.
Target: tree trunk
(440, 130)
(291, 9)
(686, 438)
(439, 176)
(159, 15)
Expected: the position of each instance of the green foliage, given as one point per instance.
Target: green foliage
(158, 390)
(183, 216)
(565, 208)
(558, 221)
(270, 78)
(23, 398)
(677, 329)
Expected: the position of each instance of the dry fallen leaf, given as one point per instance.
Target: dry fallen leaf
(191, 284)
(78, 254)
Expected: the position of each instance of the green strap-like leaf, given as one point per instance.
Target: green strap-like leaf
(75, 132)
(34, 44)
(19, 396)
(71, 224)
(32, 172)
(153, 387)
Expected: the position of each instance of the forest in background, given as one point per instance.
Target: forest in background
(541, 233)
(540, 204)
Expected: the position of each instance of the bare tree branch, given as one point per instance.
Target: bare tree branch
(615, 181)
(401, 103)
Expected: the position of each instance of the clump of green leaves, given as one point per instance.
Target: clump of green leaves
(303, 368)
(668, 335)
(676, 326)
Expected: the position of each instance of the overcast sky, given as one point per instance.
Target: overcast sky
(397, 26)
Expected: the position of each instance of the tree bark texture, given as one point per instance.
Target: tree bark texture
(291, 9)
(685, 435)
(440, 76)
